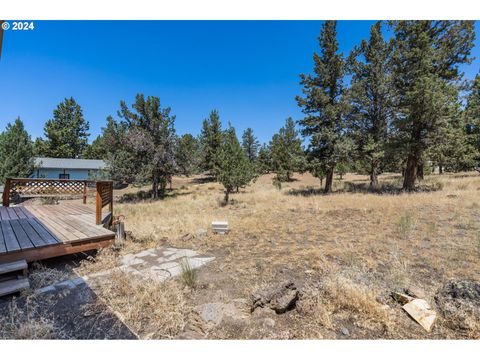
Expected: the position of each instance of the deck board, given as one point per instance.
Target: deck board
(66, 226)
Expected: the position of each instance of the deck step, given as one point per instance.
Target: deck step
(13, 286)
(20, 265)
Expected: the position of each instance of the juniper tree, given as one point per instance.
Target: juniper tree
(426, 60)
(371, 101)
(95, 150)
(150, 139)
(250, 144)
(324, 105)
(233, 169)
(16, 151)
(211, 139)
(287, 155)
(66, 134)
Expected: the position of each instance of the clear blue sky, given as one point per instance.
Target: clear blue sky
(248, 70)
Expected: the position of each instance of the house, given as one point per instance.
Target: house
(74, 169)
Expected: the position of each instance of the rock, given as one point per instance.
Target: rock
(280, 298)
(269, 322)
(345, 331)
(459, 303)
(415, 291)
(214, 313)
(186, 237)
(421, 312)
(199, 233)
(402, 298)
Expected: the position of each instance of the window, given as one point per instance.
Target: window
(64, 176)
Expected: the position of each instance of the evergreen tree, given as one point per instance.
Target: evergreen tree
(472, 117)
(287, 155)
(150, 140)
(95, 150)
(211, 139)
(371, 102)
(324, 105)
(264, 160)
(233, 169)
(66, 135)
(250, 144)
(426, 58)
(16, 151)
(187, 154)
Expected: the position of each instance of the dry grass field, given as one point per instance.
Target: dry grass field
(346, 252)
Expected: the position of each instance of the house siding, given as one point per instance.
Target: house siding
(75, 174)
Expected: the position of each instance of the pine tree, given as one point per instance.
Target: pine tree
(425, 71)
(324, 105)
(287, 155)
(95, 150)
(66, 135)
(371, 101)
(16, 151)
(250, 144)
(233, 169)
(211, 139)
(187, 154)
(472, 117)
(264, 160)
(151, 140)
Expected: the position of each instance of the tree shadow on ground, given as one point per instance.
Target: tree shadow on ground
(143, 196)
(203, 180)
(365, 188)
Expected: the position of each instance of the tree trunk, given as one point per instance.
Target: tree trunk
(227, 193)
(440, 169)
(420, 171)
(155, 189)
(328, 181)
(373, 178)
(341, 176)
(321, 181)
(410, 173)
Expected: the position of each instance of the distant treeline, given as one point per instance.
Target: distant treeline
(400, 105)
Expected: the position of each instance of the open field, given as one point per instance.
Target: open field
(346, 252)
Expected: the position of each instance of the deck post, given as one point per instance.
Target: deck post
(98, 204)
(85, 192)
(6, 192)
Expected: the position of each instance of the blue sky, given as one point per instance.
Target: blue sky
(248, 70)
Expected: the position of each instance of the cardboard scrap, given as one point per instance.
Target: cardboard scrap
(421, 312)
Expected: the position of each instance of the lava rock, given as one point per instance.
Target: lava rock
(459, 302)
(279, 298)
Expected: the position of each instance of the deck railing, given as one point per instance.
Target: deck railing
(20, 187)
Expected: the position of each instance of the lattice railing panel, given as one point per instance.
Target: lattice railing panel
(46, 187)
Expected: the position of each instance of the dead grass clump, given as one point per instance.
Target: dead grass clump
(151, 309)
(41, 276)
(24, 323)
(340, 296)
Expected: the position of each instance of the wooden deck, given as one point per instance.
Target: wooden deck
(35, 232)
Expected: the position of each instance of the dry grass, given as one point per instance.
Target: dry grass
(24, 323)
(346, 251)
(398, 239)
(150, 309)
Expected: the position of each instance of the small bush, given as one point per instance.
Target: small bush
(189, 275)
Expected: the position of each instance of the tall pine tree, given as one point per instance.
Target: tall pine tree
(324, 105)
(250, 144)
(66, 134)
(211, 139)
(426, 58)
(371, 100)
